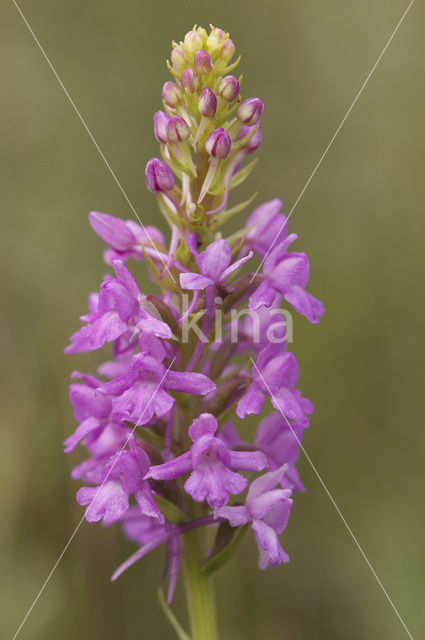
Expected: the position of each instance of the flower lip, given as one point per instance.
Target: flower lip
(159, 177)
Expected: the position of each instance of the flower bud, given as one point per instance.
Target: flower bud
(171, 94)
(193, 41)
(160, 120)
(203, 33)
(189, 81)
(215, 37)
(159, 177)
(218, 144)
(202, 62)
(254, 142)
(227, 50)
(207, 103)
(178, 59)
(177, 130)
(228, 88)
(250, 111)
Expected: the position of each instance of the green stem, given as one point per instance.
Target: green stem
(199, 592)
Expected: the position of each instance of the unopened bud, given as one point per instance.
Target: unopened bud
(215, 37)
(193, 41)
(254, 142)
(159, 177)
(202, 62)
(228, 88)
(171, 94)
(160, 120)
(207, 103)
(218, 144)
(177, 130)
(227, 50)
(178, 59)
(250, 111)
(189, 80)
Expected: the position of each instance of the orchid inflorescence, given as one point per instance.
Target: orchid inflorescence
(163, 420)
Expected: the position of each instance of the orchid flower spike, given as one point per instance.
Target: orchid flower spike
(163, 419)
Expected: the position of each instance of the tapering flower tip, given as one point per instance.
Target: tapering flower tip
(194, 40)
(115, 232)
(227, 51)
(159, 177)
(177, 130)
(189, 80)
(250, 111)
(207, 103)
(171, 94)
(218, 144)
(202, 62)
(255, 141)
(216, 36)
(178, 58)
(228, 88)
(160, 120)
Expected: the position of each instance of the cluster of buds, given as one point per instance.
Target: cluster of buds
(205, 131)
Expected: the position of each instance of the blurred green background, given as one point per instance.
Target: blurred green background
(362, 222)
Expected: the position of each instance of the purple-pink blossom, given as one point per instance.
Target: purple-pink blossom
(141, 395)
(117, 309)
(267, 511)
(287, 274)
(214, 267)
(210, 464)
(163, 417)
(122, 476)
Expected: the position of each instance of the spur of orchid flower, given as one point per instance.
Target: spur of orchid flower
(163, 419)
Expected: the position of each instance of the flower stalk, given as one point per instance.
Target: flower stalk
(199, 588)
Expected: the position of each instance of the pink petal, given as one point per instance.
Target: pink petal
(214, 260)
(194, 281)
